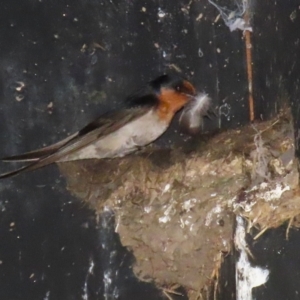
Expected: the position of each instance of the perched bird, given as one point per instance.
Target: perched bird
(146, 116)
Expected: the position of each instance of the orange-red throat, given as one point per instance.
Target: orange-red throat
(172, 100)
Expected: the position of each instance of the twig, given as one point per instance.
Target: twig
(261, 233)
(288, 228)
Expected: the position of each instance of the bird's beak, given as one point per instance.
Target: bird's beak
(190, 89)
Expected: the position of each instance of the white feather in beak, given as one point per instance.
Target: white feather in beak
(192, 115)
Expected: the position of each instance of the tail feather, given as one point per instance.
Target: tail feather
(38, 158)
(42, 162)
(35, 155)
(29, 156)
(20, 170)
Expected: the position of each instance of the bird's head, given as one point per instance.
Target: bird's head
(173, 93)
(173, 83)
(167, 93)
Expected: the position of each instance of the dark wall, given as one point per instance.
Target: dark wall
(79, 58)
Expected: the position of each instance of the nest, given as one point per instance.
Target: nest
(175, 210)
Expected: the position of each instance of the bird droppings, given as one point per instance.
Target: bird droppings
(171, 215)
(247, 276)
(189, 204)
(211, 215)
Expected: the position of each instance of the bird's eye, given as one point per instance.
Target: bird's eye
(185, 87)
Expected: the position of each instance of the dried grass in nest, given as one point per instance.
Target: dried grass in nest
(273, 196)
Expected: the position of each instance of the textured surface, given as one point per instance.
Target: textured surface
(174, 208)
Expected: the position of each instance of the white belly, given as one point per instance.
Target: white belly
(138, 133)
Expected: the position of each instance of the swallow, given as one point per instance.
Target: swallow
(145, 116)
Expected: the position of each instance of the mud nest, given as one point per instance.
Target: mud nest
(175, 209)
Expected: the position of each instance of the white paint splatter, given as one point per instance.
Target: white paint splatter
(107, 280)
(274, 194)
(244, 205)
(263, 192)
(216, 210)
(170, 210)
(85, 295)
(164, 219)
(167, 188)
(247, 276)
(189, 204)
(147, 209)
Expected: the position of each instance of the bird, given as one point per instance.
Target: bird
(144, 117)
